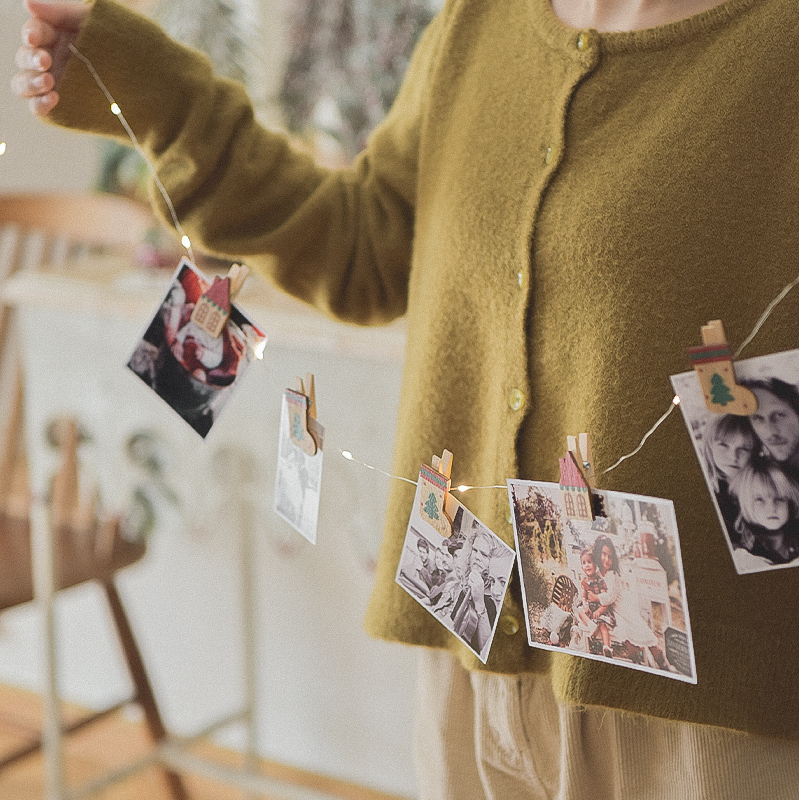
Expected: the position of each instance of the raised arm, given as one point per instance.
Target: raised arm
(339, 239)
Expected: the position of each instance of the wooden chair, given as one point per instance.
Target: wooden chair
(39, 231)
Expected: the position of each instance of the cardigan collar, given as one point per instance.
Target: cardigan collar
(561, 36)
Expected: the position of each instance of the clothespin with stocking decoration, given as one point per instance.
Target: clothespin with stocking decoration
(712, 361)
(434, 483)
(301, 403)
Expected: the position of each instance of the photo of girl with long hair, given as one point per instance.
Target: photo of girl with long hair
(728, 446)
(768, 519)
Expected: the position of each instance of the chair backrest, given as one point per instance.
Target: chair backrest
(61, 221)
(88, 547)
(44, 231)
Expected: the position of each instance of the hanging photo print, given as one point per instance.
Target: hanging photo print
(460, 579)
(610, 589)
(299, 468)
(751, 463)
(192, 371)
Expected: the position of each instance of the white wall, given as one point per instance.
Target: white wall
(38, 156)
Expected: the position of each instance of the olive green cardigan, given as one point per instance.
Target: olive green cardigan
(557, 212)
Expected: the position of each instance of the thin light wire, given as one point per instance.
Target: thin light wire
(350, 457)
(117, 111)
(761, 321)
(462, 488)
(674, 404)
(767, 313)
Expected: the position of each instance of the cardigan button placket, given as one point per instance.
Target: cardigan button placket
(509, 625)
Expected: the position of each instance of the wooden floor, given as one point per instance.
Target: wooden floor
(117, 740)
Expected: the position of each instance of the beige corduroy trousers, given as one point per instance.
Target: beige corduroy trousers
(484, 736)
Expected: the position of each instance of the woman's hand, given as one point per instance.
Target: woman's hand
(43, 57)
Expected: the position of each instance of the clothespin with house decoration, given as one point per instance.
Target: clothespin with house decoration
(712, 361)
(301, 403)
(577, 479)
(435, 500)
(212, 310)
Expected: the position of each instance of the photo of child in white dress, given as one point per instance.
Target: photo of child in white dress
(610, 589)
(751, 463)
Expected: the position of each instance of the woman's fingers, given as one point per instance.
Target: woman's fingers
(32, 84)
(66, 15)
(44, 53)
(38, 33)
(43, 105)
(33, 59)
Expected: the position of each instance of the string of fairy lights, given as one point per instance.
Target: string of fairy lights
(346, 454)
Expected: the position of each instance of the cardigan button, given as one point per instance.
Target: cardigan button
(509, 625)
(584, 41)
(515, 399)
(548, 156)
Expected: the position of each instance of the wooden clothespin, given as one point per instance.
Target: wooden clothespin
(302, 410)
(212, 310)
(577, 478)
(712, 361)
(434, 483)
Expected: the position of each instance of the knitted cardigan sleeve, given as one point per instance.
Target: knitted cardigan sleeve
(340, 239)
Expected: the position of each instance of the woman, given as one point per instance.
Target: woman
(443, 575)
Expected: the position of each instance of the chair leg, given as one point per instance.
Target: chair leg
(144, 693)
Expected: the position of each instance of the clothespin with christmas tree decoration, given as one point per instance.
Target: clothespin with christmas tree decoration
(434, 496)
(301, 403)
(212, 310)
(577, 479)
(712, 361)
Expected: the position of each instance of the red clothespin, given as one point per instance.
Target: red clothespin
(212, 310)
(577, 478)
(434, 483)
(302, 411)
(712, 361)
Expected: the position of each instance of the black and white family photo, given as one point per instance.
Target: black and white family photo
(611, 589)
(460, 579)
(751, 463)
(193, 372)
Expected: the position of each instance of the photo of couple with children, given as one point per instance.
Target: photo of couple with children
(751, 463)
(609, 589)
